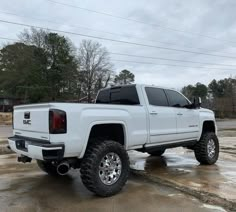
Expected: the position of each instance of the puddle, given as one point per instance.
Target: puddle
(183, 170)
(213, 207)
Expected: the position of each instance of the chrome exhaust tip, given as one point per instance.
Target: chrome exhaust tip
(63, 168)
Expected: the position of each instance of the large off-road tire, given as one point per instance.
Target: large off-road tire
(48, 167)
(207, 149)
(157, 152)
(105, 167)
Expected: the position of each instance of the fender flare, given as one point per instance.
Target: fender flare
(202, 126)
(125, 130)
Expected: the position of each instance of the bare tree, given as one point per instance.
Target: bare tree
(34, 37)
(95, 68)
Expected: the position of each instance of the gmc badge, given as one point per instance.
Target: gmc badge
(27, 122)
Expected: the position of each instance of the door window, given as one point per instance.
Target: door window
(156, 96)
(176, 99)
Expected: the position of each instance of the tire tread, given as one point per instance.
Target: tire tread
(200, 149)
(88, 175)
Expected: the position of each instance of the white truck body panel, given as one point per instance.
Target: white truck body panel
(143, 125)
(80, 120)
(39, 126)
(82, 117)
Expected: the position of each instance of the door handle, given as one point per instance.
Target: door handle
(153, 113)
(179, 114)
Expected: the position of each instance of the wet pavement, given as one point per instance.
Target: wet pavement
(179, 168)
(23, 187)
(5, 131)
(173, 182)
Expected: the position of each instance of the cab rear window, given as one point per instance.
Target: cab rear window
(126, 95)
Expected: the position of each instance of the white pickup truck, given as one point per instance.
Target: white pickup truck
(96, 137)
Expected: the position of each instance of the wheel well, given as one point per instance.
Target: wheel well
(108, 131)
(208, 126)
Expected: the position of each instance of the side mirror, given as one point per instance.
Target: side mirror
(197, 102)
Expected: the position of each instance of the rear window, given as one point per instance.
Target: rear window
(103, 97)
(126, 95)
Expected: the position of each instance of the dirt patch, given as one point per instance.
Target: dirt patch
(5, 118)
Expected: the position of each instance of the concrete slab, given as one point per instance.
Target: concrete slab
(4, 149)
(226, 124)
(23, 187)
(3, 140)
(179, 168)
(5, 131)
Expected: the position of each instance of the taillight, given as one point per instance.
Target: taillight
(57, 121)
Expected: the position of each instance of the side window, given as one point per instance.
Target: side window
(176, 99)
(126, 95)
(156, 96)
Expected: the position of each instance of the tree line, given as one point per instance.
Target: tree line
(219, 95)
(45, 66)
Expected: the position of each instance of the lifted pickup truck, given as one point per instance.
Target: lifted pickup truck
(96, 137)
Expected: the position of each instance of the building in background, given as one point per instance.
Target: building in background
(7, 103)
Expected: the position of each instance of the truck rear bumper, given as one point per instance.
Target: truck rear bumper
(36, 149)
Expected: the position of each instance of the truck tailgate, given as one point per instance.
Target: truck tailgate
(32, 121)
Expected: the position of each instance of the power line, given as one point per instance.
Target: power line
(149, 63)
(128, 61)
(97, 12)
(159, 58)
(101, 31)
(141, 22)
(114, 40)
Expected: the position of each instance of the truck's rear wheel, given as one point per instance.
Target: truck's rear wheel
(48, 167)
(207, 149)
(105, 168)
(156, 152)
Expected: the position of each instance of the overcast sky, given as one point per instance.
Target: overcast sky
(216, 19)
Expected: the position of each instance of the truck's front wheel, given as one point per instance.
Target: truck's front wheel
(105, 167)
(207, 149)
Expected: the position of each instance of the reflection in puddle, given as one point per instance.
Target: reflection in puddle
(184, 170)
(213, 207)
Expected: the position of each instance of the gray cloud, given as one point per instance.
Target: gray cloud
(213, 18)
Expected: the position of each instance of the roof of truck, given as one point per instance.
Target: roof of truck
(138, 84)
